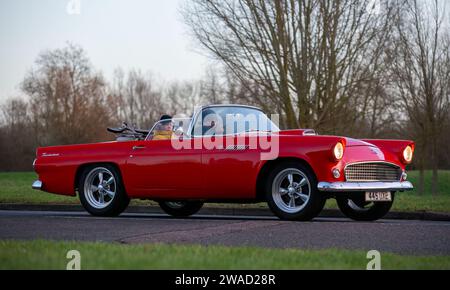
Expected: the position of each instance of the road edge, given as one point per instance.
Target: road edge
(419, 215)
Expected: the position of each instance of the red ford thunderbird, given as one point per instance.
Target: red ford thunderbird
(229, 153)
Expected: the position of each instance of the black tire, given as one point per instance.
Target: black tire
(359, 210)
(301, 210)
(180, 208)
(116, 204)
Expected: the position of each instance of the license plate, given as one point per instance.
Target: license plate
(378, 196)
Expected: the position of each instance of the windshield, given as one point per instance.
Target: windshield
(227, 120)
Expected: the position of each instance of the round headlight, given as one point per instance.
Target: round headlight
(338, 151)
(408, 154)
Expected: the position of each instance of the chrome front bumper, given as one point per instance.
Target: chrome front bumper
(365, 186)
(37, 185)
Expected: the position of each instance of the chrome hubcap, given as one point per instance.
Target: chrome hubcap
(291, 190)
(100, 187)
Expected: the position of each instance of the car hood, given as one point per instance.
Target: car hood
(350, 142)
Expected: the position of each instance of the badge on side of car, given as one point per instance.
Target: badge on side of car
(378, 196)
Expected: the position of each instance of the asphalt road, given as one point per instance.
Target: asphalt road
(397, 236)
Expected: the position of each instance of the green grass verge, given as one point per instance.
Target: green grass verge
(15, 187)
(42, 254)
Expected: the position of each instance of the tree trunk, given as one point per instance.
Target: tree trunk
(421, 165)
(421, 186)
(434, 160)
(434, 182)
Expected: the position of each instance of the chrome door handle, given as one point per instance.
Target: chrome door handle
(138, 147)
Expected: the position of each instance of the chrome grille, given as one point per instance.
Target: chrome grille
(374, 171)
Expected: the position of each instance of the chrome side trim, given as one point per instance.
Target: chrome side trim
(37, 185)
(50, 154)
(365, 186)
(237, 147)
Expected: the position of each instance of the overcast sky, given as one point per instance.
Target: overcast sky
(143, 34)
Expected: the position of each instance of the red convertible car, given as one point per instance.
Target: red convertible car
(229, 153)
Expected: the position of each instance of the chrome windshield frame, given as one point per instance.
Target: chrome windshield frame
(197, 113)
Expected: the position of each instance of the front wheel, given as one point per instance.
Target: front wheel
(180, 208)
(360, 210)
(292, 194)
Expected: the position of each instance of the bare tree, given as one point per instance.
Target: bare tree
(138, 99)
(313, 58)
(421, 73)
(66, 97)
(213, 87)
(183, 97)
(17, 141)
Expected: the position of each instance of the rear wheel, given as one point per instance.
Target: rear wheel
(291, 192)
(101, 191)
(360, 210)
(181, 208)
